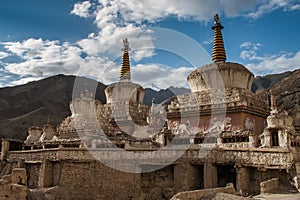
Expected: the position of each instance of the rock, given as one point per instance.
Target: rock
(15, 191)
(223, 196)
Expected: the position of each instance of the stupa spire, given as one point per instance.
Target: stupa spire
(125, 69)
(218, 53)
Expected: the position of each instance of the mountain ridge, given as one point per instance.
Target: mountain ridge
(34, 103)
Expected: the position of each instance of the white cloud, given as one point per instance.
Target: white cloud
(43, 57)
(245, 44)
(23, 81)
(4, 78)
(250, 51)
(82, 9)
(109, 41)
(276, 64)
(122, 12)
(155, 76)
(99, 68)
(270, 5)
(268, 64)
(160, 76)
(148, 75)
(3, 55)
(293, 7)
(118, 19)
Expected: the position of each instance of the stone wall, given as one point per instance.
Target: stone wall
(4, 149)
(19, 176)
(15, 191)
(269, 185)
(13, 186)
(256, 157)
(235, 145)
(33, 174)
(159, 183)
(94, 180)
(258, 176)
(74, 173)
(188, 176)
(249, 179)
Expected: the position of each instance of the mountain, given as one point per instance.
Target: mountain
(34, 103)
(261, 83)
(163, 95)
(286, 91)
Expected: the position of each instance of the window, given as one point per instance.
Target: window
(275, 141)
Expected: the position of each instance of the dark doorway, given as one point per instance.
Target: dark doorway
(275, 140)
(226, 174)
(138, 96)
(197, 182)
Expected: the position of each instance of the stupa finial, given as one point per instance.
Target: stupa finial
(218, 53)
(125, 69)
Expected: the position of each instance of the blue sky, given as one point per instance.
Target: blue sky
(169, 38)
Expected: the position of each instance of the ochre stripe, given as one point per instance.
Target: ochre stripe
(218, 53)
(125, 69)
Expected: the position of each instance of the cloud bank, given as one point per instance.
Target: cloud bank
(269, 64)
(95, 56)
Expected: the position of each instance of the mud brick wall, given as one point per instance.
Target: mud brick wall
(160, 183)
(269, 185)
(93, 180)
(257, 176)
(33, 173)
